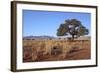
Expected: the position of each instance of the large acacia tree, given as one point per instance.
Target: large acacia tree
(72, 27)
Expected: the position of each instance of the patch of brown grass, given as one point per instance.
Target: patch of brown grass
(43, 50)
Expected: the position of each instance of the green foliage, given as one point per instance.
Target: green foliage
(72, 27)
(62, 30)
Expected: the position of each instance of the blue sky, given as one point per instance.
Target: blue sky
(39, 23)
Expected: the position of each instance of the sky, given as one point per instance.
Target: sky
(46, 23)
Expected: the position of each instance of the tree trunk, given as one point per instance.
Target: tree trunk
(72, 37)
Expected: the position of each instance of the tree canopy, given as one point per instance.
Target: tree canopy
(72, 27)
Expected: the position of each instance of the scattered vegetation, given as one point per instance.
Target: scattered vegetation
(53, 50)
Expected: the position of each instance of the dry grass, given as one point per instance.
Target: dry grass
(53, 50)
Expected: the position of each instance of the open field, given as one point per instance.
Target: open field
(56, 50)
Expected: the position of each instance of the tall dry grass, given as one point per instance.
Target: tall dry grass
(42, 50)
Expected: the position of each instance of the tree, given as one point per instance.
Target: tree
(72, 27)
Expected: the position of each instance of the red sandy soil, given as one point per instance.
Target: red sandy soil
(79, 54)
